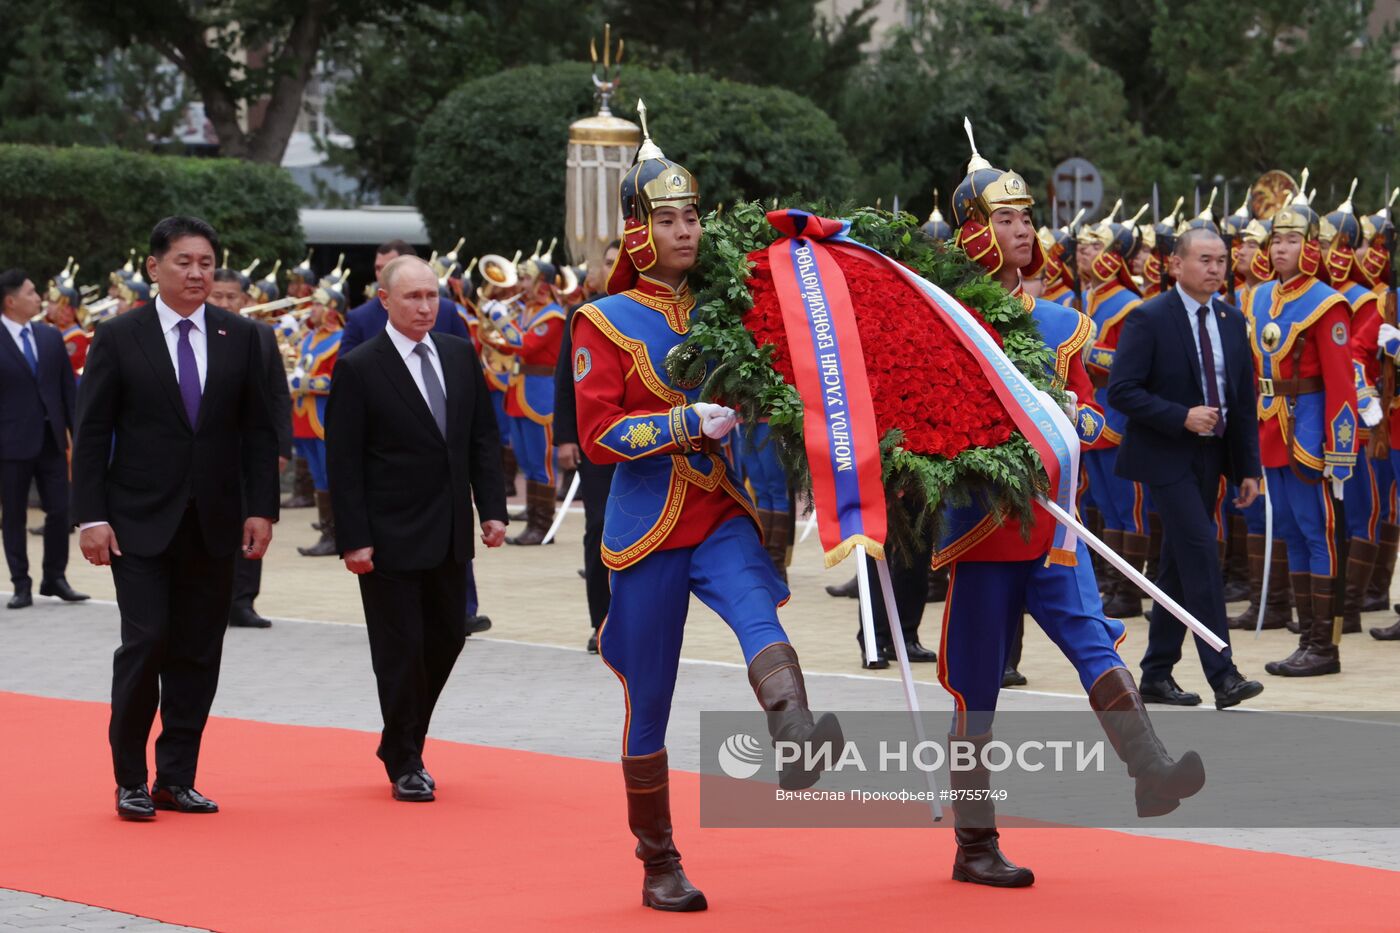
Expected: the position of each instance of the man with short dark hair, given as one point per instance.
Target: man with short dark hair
(227, 293)
(37, 393)
(1184, 379)
(174, 424)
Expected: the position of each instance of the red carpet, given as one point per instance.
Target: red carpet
(310, 840)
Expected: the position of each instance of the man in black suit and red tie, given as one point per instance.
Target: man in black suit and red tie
(174, 423)
(37, 394)
(411, 441)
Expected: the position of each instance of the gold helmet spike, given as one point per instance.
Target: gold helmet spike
(536, 254)
(1180, 202)
(276, 267)
(129, 265)
(470, 266)
(1131, 224)
(649, 149)
(251, 266)
(937, 215)
(1117, 206)
(1346, 206)
(451, 258)
(1208, 214)
(516, 260)
(1075, 222)
(1243, 211)
(975, 163)
(548, 254)
(224, 264)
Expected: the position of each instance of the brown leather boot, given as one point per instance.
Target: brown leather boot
(1109, 578)
(326, 546)
(1162, 783)
(1388, 633)
(508, 469)
(1361, 562)
(1237, 582)
(776, 678)
(539, 514)
(303, 489)
(664, 884)
(1127, 601)
(1378, 591)
(776, 538)
(1317, 652)
(1254, 549)
(979, 859)
(1302, 599)
(937, 590)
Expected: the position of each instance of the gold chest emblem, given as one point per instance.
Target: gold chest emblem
(642, 434)
(1271, 336)
(1086, 423)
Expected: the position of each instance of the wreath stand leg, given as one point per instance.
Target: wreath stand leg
(867, 622)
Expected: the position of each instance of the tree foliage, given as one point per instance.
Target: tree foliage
(491, 167)
(96, 204)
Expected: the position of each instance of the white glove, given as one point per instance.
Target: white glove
(1337, 487)
(1370, 411)
(1071, 408)
(715, 420)
(495, 311)
(1389, 339)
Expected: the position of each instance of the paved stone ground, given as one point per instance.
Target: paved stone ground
(32, 913)
(532, 668)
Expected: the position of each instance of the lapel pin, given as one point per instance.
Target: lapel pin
(223, 333)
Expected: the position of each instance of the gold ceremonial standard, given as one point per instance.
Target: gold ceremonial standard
(1270, 336)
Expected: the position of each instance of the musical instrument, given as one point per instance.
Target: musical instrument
(1270, 192)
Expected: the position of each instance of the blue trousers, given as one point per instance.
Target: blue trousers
(1364, 502)
(640, 640)
(1189, 571)
(498, 402)
(1305, 519)
(534, 449)
(313, 451)
(984, 607)
(763, 470)
(1122, 502)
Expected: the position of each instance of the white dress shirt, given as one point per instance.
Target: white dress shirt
(15, 329)
(199, 338)
(199, 342)
(405, 346)
(1217, 350)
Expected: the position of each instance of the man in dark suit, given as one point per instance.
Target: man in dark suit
(411, 440)
(247, 573)
(37, 394)
(595, 479)
(173, 425)
(368, 321)
(1184, 377)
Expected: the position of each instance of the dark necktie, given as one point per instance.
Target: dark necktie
(28, 351)
(1208, 368)
(437, 401)
(190, 390)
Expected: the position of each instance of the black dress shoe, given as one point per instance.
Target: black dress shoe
(916, 652)
(477, 624)
(1236, 690)
(23, 597)
(134, 803)
(246, 617)
(879, 664)
(182, 799)
(412, 788)
(1167, 691)
(583, 574)
(427, 778)
(850, 589)
(1012, 677)
(593, 642)
(59, 587)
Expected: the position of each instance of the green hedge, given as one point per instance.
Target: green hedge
(490, 162)
(96, 204)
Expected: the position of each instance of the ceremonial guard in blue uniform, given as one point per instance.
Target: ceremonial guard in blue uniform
(1000, 570)
(1102, 255)
(676, 523)
(1308, 425)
